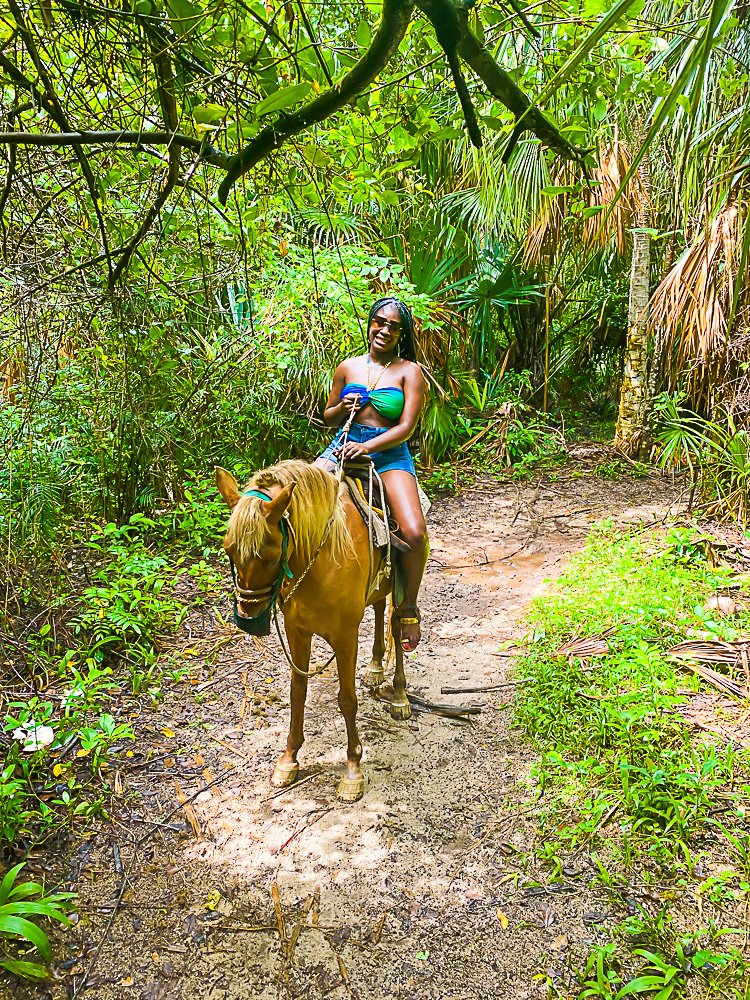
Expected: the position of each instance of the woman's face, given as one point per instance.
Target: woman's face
(385, 328)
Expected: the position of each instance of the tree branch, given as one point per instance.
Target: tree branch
(208, 153)
(395, 21)
(528, 117)
(54, 109)
(165, 89)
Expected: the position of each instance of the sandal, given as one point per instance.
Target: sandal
(409, 614)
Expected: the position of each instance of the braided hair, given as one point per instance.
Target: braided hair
(406, 346)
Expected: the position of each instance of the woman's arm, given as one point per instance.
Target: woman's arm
(414, 391)
(337, 409)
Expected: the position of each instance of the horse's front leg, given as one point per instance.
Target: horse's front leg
(399, 706)
(374, 674)
(352, 784)
(287, 768)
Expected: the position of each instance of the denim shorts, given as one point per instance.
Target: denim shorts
(397, 457)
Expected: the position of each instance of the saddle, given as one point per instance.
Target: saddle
(368, 495)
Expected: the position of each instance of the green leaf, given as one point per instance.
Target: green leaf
(594, 36)
(17, 926)
(44, 909)
(643, 984)
(183, 9)
(364, 34)
(8, 881)
(494, 123)
(315, 156)
(26, 970)
(282, 98)
(553, 189)
(449, 132)
(207, 114)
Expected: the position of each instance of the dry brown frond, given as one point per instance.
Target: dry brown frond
(547, 232)
(689, 309)
(434, 345)
(713, 651)
(584, 647)
(608, 175)
(549, 229)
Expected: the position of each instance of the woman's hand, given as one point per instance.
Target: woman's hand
(351, 451)
(351, 403)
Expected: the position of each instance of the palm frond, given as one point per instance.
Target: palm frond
(689, 309)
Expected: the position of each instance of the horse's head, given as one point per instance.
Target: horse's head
(256, 546)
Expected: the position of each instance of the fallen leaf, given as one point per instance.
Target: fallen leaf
(169, 733)
(503, 919)
(213, 899)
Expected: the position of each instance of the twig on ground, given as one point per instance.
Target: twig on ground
(191, 798)
(485, 562)
(279, 915)
(115, 908)
(292, 943)
(451, 711)
(227, 746)
(485, 687)
(293, 786)
(224, 674)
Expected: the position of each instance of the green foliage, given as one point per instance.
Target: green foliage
(616, 754)
(716, 452)
(614, 726)
(22, 904)
(131, 605)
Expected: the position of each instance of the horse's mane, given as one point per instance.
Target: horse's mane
(314, 499)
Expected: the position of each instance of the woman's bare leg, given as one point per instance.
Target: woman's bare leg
(403, 499)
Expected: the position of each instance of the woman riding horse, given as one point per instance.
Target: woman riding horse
(384, 391)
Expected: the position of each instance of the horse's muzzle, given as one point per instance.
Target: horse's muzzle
(257, 625)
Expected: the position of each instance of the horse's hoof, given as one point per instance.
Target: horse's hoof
(400, 710)
(374, 677)
(350, 789)
(285, 773)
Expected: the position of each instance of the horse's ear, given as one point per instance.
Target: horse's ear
(227, 485)
(273, 510)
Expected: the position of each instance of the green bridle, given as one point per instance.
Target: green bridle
(260, 624)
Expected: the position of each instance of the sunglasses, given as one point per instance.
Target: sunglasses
(380, 323)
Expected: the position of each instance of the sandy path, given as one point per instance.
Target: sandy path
(407, 884)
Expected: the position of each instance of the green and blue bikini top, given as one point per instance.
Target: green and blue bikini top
(389, 401)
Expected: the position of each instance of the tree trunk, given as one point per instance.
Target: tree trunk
(634, 394)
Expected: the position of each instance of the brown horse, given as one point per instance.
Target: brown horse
(309, 525)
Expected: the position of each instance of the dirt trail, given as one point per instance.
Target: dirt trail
(413, 886)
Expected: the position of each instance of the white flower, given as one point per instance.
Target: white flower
(34, 737)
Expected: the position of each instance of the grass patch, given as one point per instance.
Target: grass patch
(623, 779)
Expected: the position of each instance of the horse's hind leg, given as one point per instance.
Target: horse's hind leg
(374, 675)
(287, 768)
(352, 784)
(399, 706)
